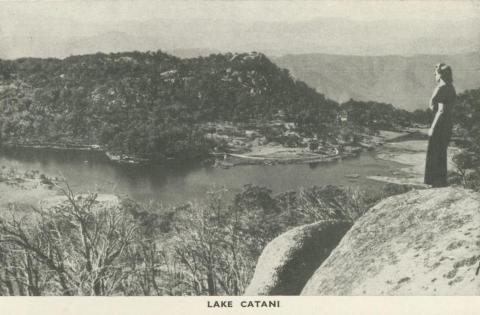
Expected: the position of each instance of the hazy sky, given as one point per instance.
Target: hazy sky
(37, 28)
(13, 12)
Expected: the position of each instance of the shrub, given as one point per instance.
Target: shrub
(84, 247)
(75, 248)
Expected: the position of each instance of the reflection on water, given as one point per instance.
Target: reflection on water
(176, 183)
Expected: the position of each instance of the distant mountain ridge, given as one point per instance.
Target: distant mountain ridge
(404, 81)
(32, 37)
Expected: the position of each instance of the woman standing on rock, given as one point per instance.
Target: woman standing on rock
(440, 132)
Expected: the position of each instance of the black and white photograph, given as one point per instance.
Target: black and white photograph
(243, 149)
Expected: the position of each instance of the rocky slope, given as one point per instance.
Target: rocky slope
(424, 242)
(289, 260)
(420, 243)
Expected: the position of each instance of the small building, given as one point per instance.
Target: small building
(342, 116)
(280, 115)
(289, 125)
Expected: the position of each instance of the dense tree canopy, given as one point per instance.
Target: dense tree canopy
(154, 105)
(467, 117)
(147, 104)
(376, 115)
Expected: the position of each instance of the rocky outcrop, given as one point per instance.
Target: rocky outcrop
(424, 242)
(289, 260)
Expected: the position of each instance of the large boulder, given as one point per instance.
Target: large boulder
(424, 242)
(288, 261)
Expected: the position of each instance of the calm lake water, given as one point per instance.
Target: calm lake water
(174, 184)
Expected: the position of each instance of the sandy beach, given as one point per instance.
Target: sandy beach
(31, 192)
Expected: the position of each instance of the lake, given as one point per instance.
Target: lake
(90, 171)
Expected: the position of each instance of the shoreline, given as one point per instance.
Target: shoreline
(240, 159)
(278, 154)
(411, 153)
(284, 155)
(31, 191)
(117, 158)
(234, 159)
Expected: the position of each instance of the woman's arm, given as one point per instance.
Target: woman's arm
(434, 98)
(437, 117)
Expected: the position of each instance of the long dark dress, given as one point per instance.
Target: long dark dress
(436, 164)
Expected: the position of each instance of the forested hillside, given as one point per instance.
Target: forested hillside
(147, 104)
(156, 106)
(467, 117)
(376, 115)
